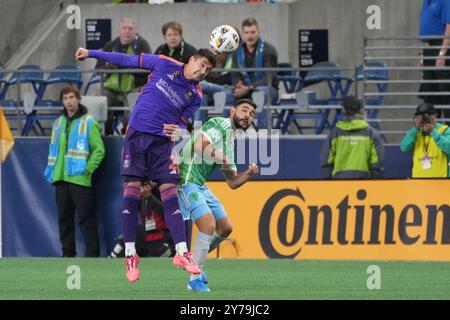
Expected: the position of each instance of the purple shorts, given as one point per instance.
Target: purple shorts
(147, 156)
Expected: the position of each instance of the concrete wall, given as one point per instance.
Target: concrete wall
(198, 20)
(19, 18)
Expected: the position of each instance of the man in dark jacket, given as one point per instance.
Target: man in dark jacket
(254, 52)
(352, 150)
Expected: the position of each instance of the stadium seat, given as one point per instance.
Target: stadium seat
(304, 99)
(330, 73)
(220, 100)
(338, 86)
(3, 83)
(28, 74)
(33, 75)
(32, 121)
(131, 100)
(260, 99)
(377, 75)
(95, 78)
(97, 107)
(61, 76)
(290, 79)
(120, 119)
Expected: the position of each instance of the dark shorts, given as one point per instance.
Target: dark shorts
(147, 156)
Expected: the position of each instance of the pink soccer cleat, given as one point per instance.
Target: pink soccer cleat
(185, 261)
(133, 272)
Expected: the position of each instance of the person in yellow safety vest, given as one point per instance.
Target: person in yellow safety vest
(118, 85)
(430, 142)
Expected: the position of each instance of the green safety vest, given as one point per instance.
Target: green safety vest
(121, 83)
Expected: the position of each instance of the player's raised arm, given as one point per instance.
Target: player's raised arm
(144, 61)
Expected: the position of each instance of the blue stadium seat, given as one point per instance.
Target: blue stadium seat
(303, 100)
(330, 73)
(290, 79)
(60, 76)
(95, 78)
(338, 85)
(3, 83)
(33, 75)
(380, 74)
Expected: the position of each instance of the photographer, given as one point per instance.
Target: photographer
(430, 142)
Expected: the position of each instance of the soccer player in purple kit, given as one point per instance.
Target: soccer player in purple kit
(170, 97)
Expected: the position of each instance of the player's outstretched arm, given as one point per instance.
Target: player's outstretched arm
(118, 59)
(234, 179)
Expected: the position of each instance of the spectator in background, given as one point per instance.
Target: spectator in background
(352, 150)
(76, 150)
(175, 46)
(254, 52)
(217, 82)
(430, 142)
(435, 21)
(118, 85)
(129, 1)
(153, 237)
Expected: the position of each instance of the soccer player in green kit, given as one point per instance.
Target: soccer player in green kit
(210, 148)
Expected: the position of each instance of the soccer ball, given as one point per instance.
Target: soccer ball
(224, 38)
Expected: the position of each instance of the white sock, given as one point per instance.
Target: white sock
(216, 241)
(130, 249)
(201, 248)
(181, 248)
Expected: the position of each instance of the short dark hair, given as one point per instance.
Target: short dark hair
(242, 101)
(69, 89)
(425, 107)
(172, 25)
(352, 105)
(208, 54)
(249, 22)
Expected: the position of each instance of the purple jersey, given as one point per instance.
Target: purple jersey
(167, 97)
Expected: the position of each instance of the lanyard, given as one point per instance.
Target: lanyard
(426, 145)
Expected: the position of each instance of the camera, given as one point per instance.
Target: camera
(426, 118)
(119, 247)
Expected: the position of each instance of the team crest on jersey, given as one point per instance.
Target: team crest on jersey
(174, 74)
(188, 94)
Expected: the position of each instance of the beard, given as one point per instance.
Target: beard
(237, 123)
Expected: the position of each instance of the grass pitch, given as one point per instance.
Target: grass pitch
(46, 278)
